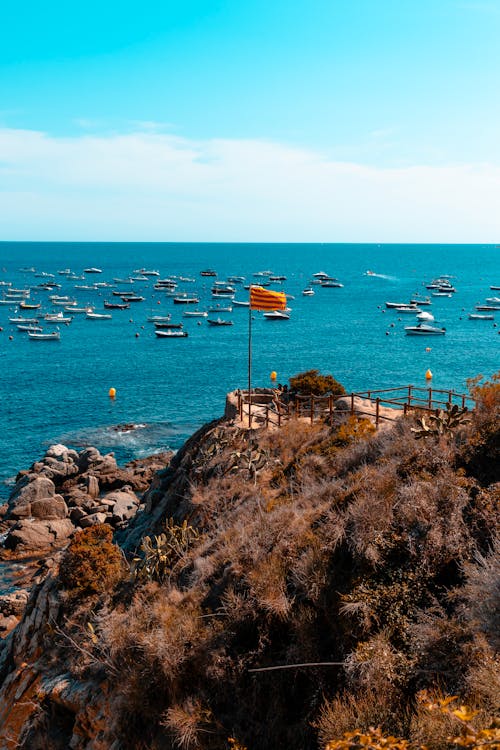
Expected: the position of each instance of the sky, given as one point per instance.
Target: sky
(223, 120)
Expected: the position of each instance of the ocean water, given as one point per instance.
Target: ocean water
(58, 392)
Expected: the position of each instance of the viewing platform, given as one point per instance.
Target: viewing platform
(272, 407)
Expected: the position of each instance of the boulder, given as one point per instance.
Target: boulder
(38, 535)
(93, 520)
(62, 453)
(77, 514)
(49, 508)
(26, 491)
(124, 507)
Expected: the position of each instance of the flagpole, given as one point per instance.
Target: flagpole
(250, 358)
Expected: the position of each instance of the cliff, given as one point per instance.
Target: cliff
(281, 587)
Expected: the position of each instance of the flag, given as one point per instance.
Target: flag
(263, 299)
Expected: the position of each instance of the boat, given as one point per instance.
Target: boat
(9, 301)
(78, 310)
(487, 308)
(65, 272)
(92, 270)
(425, 317)
(277, 315)
(332, 284)
(57, 318)
(208, 272)
(158, 318)
(195, 314)
(186, 300)
(28, 328)
(423, 329)
(219, 309)
(29, 305)
(440, 293)
(123, 281)
(117, 305)
(131, 298)
(146, 272)
(87, 287)
(98, 316)
(240, 303)
(398, 304)
(169, 326)
(219, 322)
(493, 300)
(236, 279)
(416, 300)
(495, 288)
(308, 292)
(25, 321)
(277, 278)
(53, 336)
(411, 309)
(171, 334)
(478, 316)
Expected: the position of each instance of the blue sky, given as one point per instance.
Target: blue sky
(323, 120)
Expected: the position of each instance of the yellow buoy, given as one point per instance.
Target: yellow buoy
(428, 375)
(112, 392)
(273, 375)
(428, 349)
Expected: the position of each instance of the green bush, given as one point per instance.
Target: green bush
(312, 383)
(92, 563)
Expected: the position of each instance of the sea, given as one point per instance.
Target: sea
(58, 391)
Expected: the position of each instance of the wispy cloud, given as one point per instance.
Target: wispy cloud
(149, 185)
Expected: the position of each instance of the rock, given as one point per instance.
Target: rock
(49, 508)
(37, 535)
(92, 520)
(91, 483)
(7, 623)
(77, 514)
(29, 488)
(88, 457)
(125, 505)
(14, 603)
(62, 453)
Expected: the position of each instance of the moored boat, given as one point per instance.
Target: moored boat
(53, 336)
(171, 334)
(423, 329)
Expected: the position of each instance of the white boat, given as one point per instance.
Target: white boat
(478, 316)
(58, 317)
(29, 328)
(195, 314)
(24, 321)
(493, 300)
(440, 293)
(98, 316)
(240, 303)
(423, 329)
(146, 272)
(277, 315)
(308, 292)
(78, 310)
(158, 318)
(425, 317)
(398, 304)
(92, 270)
(171, 333)
(219, 322)
(54, 336)
(178, 300)
(219, 309)
(409, 309)
(332, 284)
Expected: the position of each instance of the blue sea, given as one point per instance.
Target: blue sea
(58, 391)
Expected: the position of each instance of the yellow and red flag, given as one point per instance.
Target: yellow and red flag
(263, 299)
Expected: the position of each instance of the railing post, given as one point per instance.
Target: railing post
(463, 401)
(267, 416)
(352, 404)
(450, 397)
(250, 415)
(330, 406)
(279, 418)
(312, 408)
(430, 398)
(409, 395)
(377, 411)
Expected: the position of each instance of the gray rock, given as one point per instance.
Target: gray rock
(77, 514)
(37, 535)
(49, 508)
(125, 505)
(88, 457)
(62, 453)
(31, 487)
(92, 520)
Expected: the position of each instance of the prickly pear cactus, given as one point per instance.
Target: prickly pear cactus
(444, 422)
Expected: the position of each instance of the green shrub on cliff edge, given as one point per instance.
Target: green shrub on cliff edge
(92, 563)
(311, 382)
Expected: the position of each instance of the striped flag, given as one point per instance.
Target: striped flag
(263, 299)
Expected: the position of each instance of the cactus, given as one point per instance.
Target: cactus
(161, 552)
(248, 462)
(444, 422)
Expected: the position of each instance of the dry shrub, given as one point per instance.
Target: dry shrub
(186, 722)
(483, 678)
(92, 563)
(376, 664)
(431, 728)
(480, 453)
(481, 593)
(362, 710)
(311, 382)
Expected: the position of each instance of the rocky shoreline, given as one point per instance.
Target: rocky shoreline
(65, 491)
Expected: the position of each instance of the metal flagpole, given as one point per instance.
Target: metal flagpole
(250, 358)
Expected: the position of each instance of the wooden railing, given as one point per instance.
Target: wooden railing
(273, 410)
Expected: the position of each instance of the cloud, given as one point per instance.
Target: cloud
(149, 185)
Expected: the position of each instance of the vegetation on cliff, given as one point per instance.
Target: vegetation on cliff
(304, 583)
